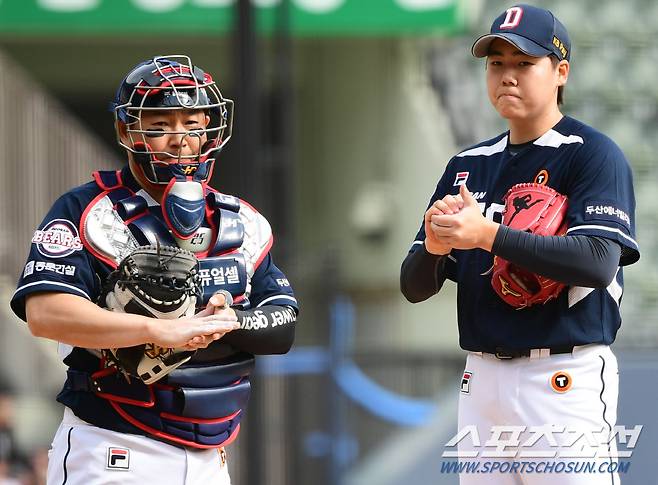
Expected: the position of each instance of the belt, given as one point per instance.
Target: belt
(505, 354)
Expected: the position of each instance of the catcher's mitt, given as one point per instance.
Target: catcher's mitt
(159, 282)
(541, 210)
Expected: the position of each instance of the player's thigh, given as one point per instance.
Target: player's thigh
(87, 455)
(588, 404)
(578, 390)
(207, 466)
(479, 407)
(478, 395)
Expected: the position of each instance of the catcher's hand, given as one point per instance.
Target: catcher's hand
(219, 305)
(541, 210)
(162, 282)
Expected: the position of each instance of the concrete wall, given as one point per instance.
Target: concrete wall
(373, 143)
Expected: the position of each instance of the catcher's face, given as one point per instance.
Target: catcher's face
(174, 133)
(522, 87)
(170, 134)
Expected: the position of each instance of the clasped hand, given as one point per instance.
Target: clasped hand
(216, 306)
(456, 222)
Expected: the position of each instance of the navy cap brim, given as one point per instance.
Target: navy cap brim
(481, 46)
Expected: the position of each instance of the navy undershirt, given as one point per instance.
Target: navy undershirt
(588, 261)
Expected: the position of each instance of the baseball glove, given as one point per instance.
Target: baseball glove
(158, 282)
(541, 210)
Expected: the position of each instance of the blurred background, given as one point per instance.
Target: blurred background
(346, 114)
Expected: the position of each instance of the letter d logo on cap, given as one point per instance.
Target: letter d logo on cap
(513, 18)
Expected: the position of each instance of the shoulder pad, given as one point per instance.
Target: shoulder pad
(108, 179)
(103, 232)
(258, 237)
(217, 200)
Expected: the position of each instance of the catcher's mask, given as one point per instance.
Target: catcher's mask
(172, 83)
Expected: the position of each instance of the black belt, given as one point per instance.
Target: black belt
(504, 354)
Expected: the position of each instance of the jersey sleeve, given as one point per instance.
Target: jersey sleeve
(443, 188)
(269, 286)
(601, 198)
(57, 260)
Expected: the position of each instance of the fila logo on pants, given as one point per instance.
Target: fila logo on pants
(118, 458)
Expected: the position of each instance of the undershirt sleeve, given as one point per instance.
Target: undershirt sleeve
(269, 329)
(422, 274)
(589, 261)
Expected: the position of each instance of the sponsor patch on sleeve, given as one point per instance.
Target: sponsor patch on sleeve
(606, 211)
(39, 266)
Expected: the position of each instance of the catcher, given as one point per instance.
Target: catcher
(159, 289)
(534, 226)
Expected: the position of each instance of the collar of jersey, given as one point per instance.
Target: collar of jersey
(521, 146)
(129, 181)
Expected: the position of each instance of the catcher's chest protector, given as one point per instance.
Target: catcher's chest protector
(229, 247)
(195, 405)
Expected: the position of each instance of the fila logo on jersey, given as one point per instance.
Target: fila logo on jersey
(513, 18)
(460, 178)
(118, 458)
(466, 382)
(561, 382)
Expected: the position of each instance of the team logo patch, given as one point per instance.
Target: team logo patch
(189, 169)
(512, 18)
(542, 177)
(57, 239)
(466, 382)
(118, 458)
(460, 178)
(561, 382)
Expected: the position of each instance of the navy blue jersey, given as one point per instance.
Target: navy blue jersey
(58, 262)
(593, 173)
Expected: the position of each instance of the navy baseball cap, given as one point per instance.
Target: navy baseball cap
(533, 30)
